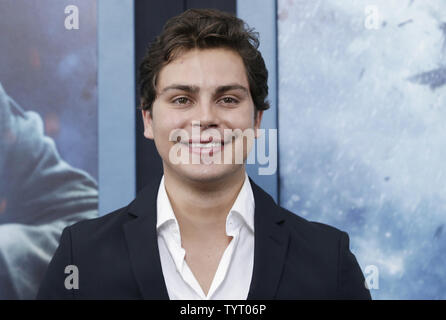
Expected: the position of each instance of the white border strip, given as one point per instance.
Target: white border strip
(261, 15)
(116, 101)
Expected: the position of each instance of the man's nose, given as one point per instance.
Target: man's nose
(207, 115)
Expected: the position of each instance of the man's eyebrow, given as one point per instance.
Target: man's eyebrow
(181, 87)
(229, 87)
(195, 89)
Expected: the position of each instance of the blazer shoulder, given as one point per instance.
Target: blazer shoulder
(310, 229)
(328, 255)
(294, 222)
(100, 226)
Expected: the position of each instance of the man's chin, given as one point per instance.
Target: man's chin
(207, 173)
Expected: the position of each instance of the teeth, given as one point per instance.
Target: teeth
(205, 145)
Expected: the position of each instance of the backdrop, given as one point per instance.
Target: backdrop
(48, 133)
(362, 107)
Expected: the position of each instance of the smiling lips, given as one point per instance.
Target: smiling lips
(201, 146)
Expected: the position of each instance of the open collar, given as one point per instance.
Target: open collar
(270, 244)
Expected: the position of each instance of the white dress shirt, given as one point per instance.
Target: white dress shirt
(233, 276)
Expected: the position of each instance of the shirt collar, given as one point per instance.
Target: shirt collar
(243, 206)
(164, 208)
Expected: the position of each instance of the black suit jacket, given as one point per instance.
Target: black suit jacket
(117, 256)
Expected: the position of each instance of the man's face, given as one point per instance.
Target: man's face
(209, 86)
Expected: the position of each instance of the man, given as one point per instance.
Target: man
(204, 230)
(40, 194)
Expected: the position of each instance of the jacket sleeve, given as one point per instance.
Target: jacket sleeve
(53, 285)
(351, 282)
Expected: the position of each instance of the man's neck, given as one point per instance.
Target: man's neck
(201, 207)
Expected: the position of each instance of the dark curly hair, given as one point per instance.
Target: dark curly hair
(204, 29)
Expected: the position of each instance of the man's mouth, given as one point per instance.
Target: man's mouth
(204, 146)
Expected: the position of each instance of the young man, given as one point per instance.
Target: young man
(204, 230)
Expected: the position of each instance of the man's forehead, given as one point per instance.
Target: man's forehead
(204, 68)
(182, 54)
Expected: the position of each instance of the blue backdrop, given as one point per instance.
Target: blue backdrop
(362, 100)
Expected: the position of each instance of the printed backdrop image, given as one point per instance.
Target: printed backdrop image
(365, 148)
(48, 133)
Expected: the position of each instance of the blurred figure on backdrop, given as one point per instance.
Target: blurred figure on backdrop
(40, 194)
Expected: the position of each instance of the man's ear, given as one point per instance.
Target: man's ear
(257, 122)
(148, 123)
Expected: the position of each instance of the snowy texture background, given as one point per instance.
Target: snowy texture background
(362, 115)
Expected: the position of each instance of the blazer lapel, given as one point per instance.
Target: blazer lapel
(141, 237)
(270, 246)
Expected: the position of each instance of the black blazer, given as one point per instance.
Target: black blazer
(117, 256)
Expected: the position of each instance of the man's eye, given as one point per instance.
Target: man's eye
(229, 100)
(181, 100)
